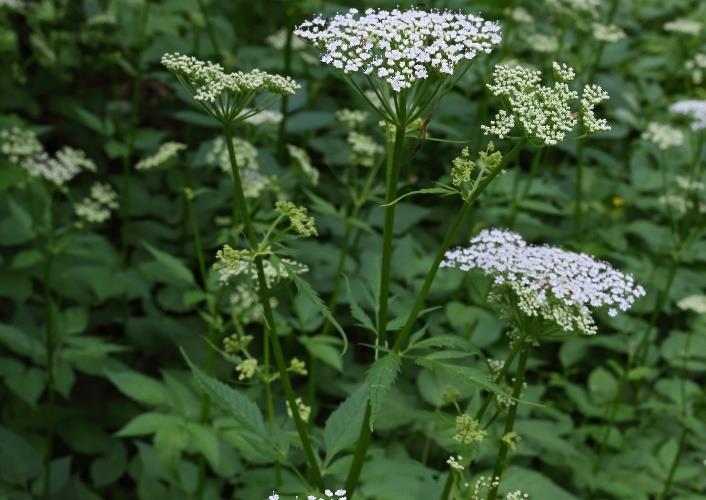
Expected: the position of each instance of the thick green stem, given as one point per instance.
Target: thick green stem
(270, 329)
(393, 173)
(501, 459)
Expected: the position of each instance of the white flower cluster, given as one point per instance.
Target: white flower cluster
(245, 304)
(24, 149)
(683, 26)
(254, 183)
(697, 66)
(351, 118)
(539, 42)
(278, 40)
(609, 33)
(207, 81)
(97, 207)
(455, 463)
(543, 112)
(264, 117)
(328, 495)
(483, 484)
(663, 136)
(559, 286)
(696, 110)
(696, 303)
(231, 263)
(303, 410)
(574, 8)
(301, 158)
(364, 150)
(246, 369)
(400, 46)
(166, 152)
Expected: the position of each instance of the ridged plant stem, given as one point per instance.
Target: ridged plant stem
(270, 328)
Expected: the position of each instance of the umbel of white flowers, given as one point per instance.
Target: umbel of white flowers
(550, 283)
(543, 113)
(24, 149)
(696, 110)
(223, 95)
(400, 47)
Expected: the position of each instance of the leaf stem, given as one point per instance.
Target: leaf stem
(270, 328)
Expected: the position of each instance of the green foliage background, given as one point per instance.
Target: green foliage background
(126, 420)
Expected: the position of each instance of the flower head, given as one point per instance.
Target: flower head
(400, 47)
(696, 110)
(455, 463)
(683, 26)
(302, 159)
(468, 430)
(696, 303)
(166, 152)
(97, 207)
(663, 136)
(302, 223)
(246, 369)
(558, 286)
(608, 33)
(225, 95)
(544, 113)
(303, 410)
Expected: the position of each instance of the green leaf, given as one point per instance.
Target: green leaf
(446, 341)
(357, 311)
(172, 267)
(380, 377)
(21, 343)
(20, 461)
(305, 288)
(444, 191)
(148, 423)
(464, 374)
(241, 408)
(139, 387)
(204, 439)
(343, 425)
(325, 348)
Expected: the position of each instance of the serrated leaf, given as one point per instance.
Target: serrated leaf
(343, 425)
(444, 191)
(380, 377)
(464, 374)
(356, 311)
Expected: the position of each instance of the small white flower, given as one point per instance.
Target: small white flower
(683, 26)
(166, 152)
(696, 303)
(609, 33)
(455, 463)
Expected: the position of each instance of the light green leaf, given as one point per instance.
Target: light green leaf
(172, 266)
(343, 425)
(380, 377)
(148, 423)
(139, 387)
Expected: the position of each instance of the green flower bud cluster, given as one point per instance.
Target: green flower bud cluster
(302, 223)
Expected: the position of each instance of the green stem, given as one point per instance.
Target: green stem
(284, 102)
(490, 397)
(578, 214)
(209, 28)
(50, 345)
(270, 328)
(536, 159)
(393, 173)
(501, 460)
(361, 450)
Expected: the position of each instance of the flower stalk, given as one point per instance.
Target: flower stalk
(270, 328)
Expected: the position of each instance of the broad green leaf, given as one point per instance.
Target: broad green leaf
(343, 425)
(204, 439)
(20, 461)
(148, 423)
(325, 348)
(139, 387)
(173, 267)
(380, 377)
